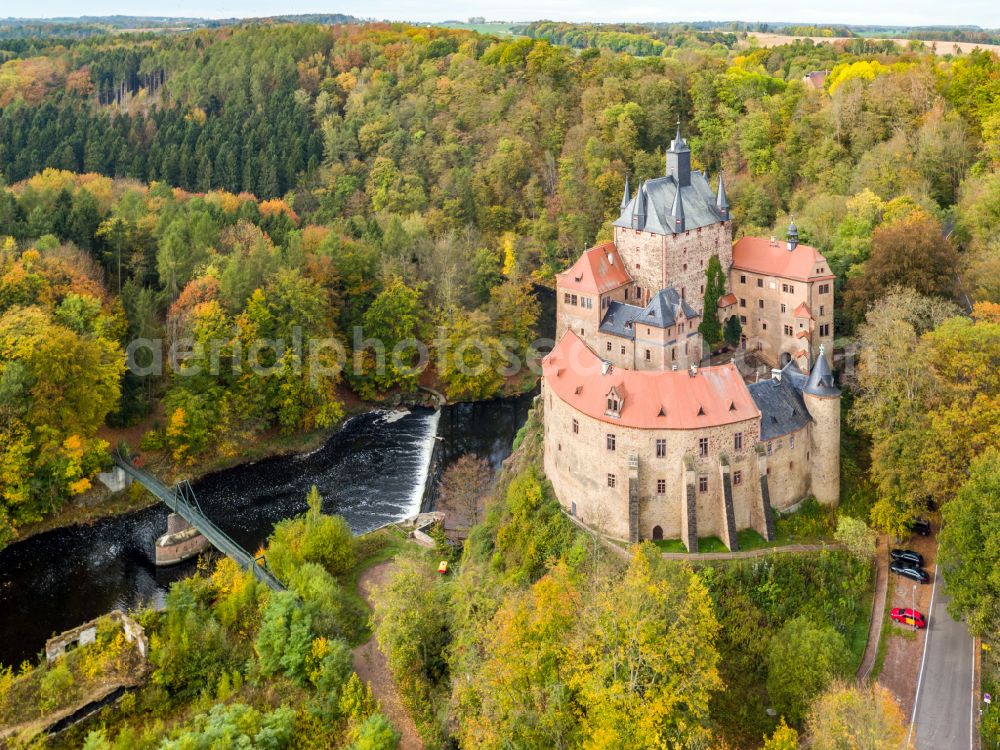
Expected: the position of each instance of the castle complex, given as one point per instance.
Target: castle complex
(642, 442)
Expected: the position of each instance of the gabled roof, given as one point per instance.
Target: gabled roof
(803, 311)
(697, 205)
(598, 270)
(758, 255)
(727, 300)
(664, 309)
(654, 399)
(782, 409)
(618, 319)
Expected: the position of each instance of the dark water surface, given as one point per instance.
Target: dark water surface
(372, 471)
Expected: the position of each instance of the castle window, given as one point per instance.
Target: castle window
(701, 263)
(822, 309)
(572, 299)
(743, 320)
(611, 441)
(609, 346)
(682, 293)
(680, 328)
(648, 355)
(783, 308)
(702, 288)
(789, 331)
(824, 330)
(626, 292)
(791, 441)
(785, 288)
(661, 486)
(769, 448)
(685, 347)
(702, 484)
(702, 447)
(636, 265)
(685, 267)
(612, 480)
(743, 278)
(587, 303)
(576, 427)
(638, 292)
(737, 477)
(743, 302)
(661, 448)
(791, 465)
(605, 302)
(760, 304)
(738, 441)
(760, 283)
(824, 288)
(763, 326)
(673, 353)
(582, 333)
(623, 350)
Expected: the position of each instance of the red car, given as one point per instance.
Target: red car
(907, 616)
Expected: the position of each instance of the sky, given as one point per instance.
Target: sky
(985, 13)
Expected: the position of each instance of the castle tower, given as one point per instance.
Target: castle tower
(679, 159)
(793, 236)
(822, 399)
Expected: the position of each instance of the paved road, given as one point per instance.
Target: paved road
(943, 711)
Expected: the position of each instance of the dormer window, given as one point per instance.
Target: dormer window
(614, 404)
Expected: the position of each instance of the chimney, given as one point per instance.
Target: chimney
(694, 370)
(776, 374)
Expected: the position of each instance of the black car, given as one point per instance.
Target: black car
(922, 526)
(914, 574)
(908, 557)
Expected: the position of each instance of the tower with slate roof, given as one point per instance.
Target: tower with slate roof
(822, 399)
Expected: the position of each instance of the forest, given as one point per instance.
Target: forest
(206, 190)
(416, 181)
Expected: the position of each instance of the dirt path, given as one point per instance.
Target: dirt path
(878, 609)
(372, 668)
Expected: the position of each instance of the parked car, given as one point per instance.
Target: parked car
(922, 526)
(913, 559)
(914, 574)
(907, 616)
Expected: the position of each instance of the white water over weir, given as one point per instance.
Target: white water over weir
(421, 487)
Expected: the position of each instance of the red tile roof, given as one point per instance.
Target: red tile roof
(663, 399)
(803, 311)
(598, 270)
(758, 255)
(727, 300)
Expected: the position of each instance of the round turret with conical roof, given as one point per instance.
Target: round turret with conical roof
(822, 399)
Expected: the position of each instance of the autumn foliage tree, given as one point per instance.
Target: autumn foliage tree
(910, 252)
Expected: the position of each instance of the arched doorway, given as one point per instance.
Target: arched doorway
(785, 358)
(657, 534)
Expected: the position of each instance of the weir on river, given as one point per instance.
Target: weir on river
(374, 470)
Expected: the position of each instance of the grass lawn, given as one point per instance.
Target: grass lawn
(671, 545)
(750, 539)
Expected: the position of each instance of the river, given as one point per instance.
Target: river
(371, 471)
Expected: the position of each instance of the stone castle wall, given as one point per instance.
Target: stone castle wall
(578, 463)
(656, 261)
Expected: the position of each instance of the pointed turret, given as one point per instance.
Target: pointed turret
(821, 381)
(677, 211)
(721, 201)
(626, 196)
(639, 210)
(679, 159)
(822, 398)
(793, 235)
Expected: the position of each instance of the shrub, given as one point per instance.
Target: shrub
(803, 658)
(57, 687)
(312, 537)
(285, 638)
